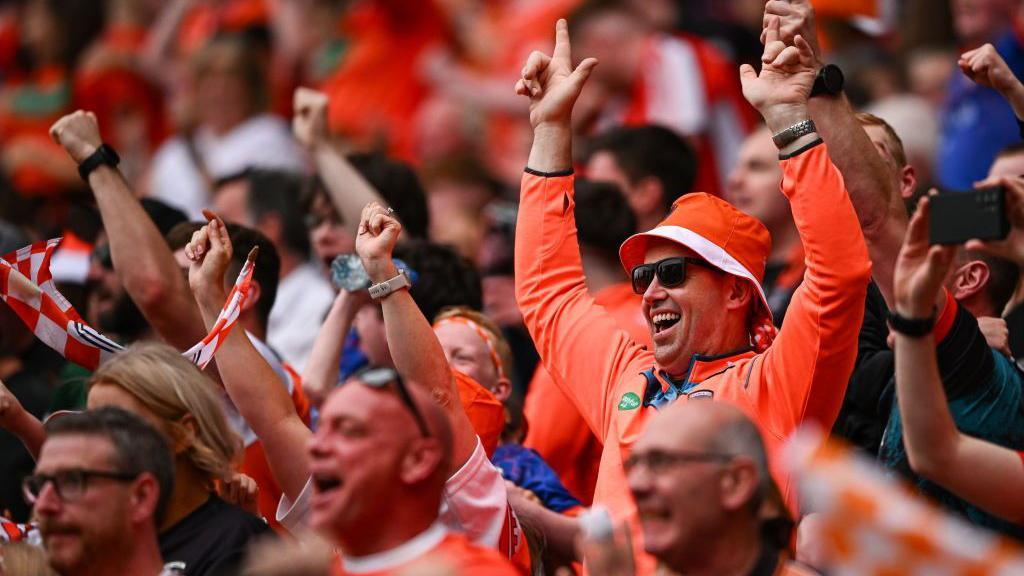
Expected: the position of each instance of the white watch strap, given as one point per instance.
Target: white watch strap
(382, 289)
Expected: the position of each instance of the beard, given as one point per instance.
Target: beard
(124, 321)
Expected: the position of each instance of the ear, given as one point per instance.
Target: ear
(145, 494)
(185, 434)
(502, 389)
(908, 181)
(421, 460)
(740, 291)
(254, 295)
(647, 196)
(970, 279)
(739, 483)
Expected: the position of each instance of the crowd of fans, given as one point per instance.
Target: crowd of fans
(468, 301)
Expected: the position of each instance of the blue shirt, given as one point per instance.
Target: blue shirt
(977, 123)
(526, 469)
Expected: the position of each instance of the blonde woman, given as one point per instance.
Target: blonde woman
(201, 533)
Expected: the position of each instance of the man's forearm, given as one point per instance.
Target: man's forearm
(323, 364)
(868, 180)
(256, 390)
(348, 190)
(928, 428)
(30, 431)
(420, 359)
(552, 149)
(144, 263)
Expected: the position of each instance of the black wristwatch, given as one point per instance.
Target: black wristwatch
(103, 155)
(913, 327)
(829, 81)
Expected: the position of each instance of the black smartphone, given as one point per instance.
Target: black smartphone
(960, 215)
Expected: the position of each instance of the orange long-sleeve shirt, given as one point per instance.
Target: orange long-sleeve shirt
(801, 377)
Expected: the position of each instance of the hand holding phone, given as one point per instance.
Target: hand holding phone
(959, 216)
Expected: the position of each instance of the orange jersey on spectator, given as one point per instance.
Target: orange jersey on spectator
(377, 88)
(613, 381)
(435, 549)
(205, 20)
(561, 435)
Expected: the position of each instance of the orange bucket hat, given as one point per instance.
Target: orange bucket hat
(733, 242)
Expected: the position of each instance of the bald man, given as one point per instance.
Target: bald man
(700, 478)
(379, 461)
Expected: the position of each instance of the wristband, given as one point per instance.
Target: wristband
(103, 155)
(793, 133)
(385, 288)
(912, 327)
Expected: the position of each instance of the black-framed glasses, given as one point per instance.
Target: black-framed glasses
(670, 272)
(69, 484)
(381, 376)
(660, 461)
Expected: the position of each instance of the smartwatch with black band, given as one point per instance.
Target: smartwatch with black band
(829, 81)
(104, 155)
(912, 327)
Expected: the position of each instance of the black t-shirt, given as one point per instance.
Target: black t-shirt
(212, 540)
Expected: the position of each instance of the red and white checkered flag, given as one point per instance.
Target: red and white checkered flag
(27, 287)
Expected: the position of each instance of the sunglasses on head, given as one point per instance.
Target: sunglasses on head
(380, 377)
(671, 272)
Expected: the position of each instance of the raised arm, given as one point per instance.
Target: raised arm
(417, 353)
(985, 66)
(985, 474)
(814, 353)
(579, 344)
(349, 191)
(18, 421)
(869, 181)
(142, 260)
(323, 366)
(251, 383)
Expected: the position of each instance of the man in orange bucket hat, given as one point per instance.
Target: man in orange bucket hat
(699, 272)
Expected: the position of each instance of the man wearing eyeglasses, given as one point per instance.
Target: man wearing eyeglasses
(699, 272)
(699, 475)
(101, 484)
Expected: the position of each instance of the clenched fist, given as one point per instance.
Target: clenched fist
(78, 133)
(309, 123)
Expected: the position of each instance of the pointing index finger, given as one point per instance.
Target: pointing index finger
(563, 50)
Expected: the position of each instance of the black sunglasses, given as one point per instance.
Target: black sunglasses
(381, 376)
(69, 484)
(670, 272)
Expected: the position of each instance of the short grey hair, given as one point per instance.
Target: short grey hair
(138, 446)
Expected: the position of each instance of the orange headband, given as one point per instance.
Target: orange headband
(484, 335)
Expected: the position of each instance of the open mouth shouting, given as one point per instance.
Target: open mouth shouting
(664, 321)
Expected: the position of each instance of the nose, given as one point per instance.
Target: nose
(316, 446)
(733, 182)
(654, 293)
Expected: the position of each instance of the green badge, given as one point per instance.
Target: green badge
(630, 401)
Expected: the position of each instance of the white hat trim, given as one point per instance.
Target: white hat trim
(708, 250)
